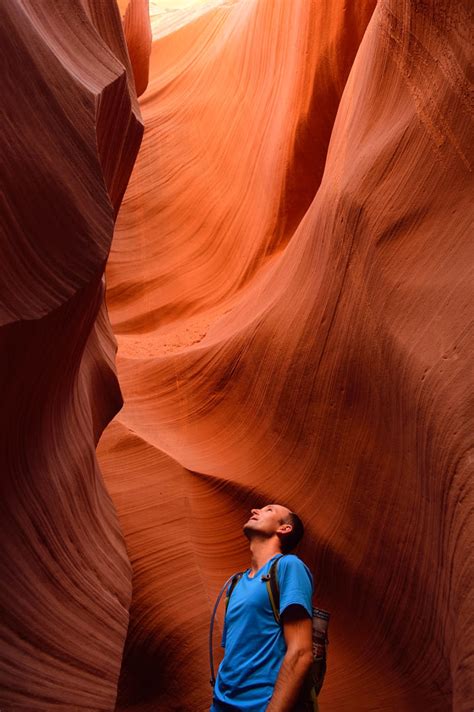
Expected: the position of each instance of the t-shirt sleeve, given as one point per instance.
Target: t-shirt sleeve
(295, 583)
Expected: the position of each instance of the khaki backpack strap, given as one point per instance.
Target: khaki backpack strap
(273, 589)
(235, 580)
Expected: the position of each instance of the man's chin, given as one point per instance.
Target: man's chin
(248, 529)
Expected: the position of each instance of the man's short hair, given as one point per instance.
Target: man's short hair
(290, 541)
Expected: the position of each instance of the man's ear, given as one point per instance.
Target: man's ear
(285, 528)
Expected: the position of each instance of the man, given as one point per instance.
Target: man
(264, 662)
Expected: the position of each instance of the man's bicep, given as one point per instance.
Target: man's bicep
(297, 628)
(296, 584)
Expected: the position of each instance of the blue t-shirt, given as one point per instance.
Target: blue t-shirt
(253, 640)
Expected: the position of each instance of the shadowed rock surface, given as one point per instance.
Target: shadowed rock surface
(71, 132)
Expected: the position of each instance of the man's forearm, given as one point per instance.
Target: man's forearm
(293, 671)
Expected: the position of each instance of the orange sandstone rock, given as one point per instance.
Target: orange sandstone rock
(293, 325)
(137, 30)
(221, 212)
(290, 283)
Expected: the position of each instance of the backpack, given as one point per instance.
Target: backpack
(315, 678)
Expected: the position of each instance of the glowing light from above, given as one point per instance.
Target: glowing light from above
(169, 15)
(161, 5)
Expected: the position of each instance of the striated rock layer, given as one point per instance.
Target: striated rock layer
(290, 283)
(71, 132)
(137, 30)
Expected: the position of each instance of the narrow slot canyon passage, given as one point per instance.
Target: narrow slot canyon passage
(244, 276)
(251, 290)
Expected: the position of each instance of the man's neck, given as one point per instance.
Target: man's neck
(261, 551)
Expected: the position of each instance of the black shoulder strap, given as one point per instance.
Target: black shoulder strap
(235, 580)
(274, 589)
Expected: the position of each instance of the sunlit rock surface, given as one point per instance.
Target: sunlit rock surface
(290, 283)
(71, 132)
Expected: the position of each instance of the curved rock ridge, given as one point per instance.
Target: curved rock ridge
(221, 213)
(72, 129)
(290, 283)
(137, 28)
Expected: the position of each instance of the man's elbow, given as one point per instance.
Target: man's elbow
(301, 657)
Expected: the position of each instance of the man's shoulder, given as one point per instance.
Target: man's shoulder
(291, 560)
(295, 583)
(293, 564)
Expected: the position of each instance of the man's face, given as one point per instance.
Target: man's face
(268, 520)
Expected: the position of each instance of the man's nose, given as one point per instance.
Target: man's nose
(254, 511)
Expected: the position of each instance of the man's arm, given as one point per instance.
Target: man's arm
(297, 629)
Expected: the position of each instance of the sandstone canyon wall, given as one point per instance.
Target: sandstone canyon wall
(290, 284)
(71, 132)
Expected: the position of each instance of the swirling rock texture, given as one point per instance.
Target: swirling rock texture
(71, 132)
(289, 284)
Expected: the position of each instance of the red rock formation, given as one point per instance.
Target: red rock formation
(249, 200)
(290, 283)
(292, 326)
(138, 35)
(71, 133)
